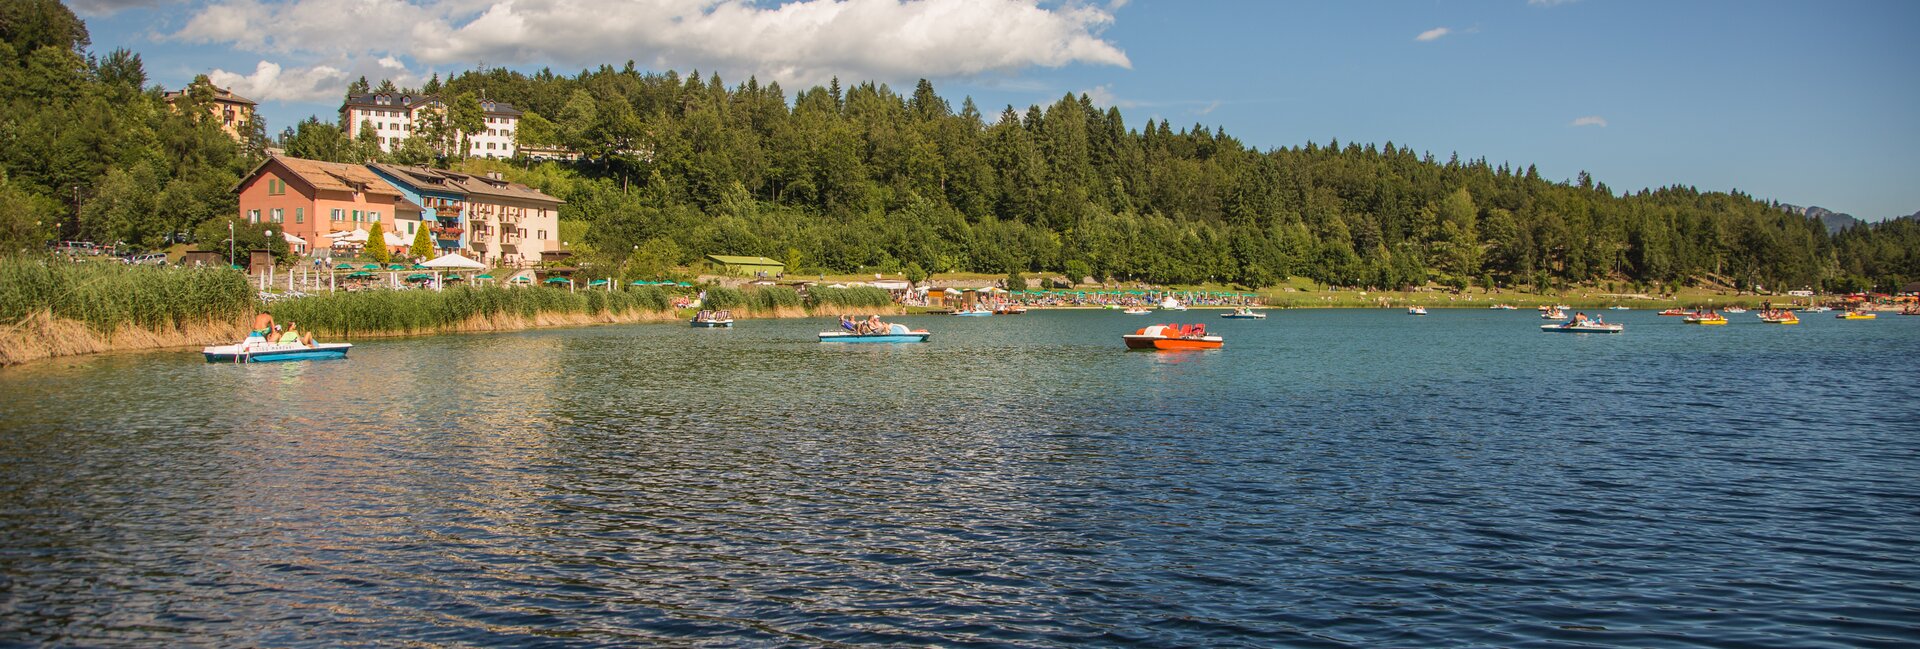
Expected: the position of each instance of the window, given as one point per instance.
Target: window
(276, 187)
(409, 227)
(253, 216)
(373, 217)
(279, 215)
(542, 235)
(357, 215)
(337, 214)
(299, 215)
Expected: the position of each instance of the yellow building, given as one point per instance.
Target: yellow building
(234, 112)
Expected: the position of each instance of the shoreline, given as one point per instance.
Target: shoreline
(17, 346)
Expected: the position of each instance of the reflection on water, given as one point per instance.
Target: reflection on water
(1329, 478)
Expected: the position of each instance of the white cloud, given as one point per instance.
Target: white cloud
(1103, 97)
(1590, 120)
(1432, 34)
(107, 7)
(271, 83)
(803, 41)
(1209, 107)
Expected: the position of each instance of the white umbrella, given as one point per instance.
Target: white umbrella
(358, 236)
(453, 261)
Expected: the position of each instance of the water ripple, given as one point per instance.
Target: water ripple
(1330, 479)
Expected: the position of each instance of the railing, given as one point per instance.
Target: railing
(444, 232)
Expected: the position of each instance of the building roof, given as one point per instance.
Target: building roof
(733, 260)
(331, 176)
(387, 100)
(219, 94)
(442, 180)
(391, 100)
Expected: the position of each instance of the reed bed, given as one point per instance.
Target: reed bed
(52, 308)
(468, 308)
(840, 299)
(108, 297)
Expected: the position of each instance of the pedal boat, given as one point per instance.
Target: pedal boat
(258, 350)
(897, 333)
(1584, 328)
(1172, 337)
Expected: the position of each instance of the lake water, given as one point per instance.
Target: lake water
(1330, 478)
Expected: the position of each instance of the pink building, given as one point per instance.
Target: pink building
(310, 199)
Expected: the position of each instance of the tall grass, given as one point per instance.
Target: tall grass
(857, 297)
(721, 297)
(464, 308)
(109, 296)
(773, 299)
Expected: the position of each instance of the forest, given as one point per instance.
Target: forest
(863, 178)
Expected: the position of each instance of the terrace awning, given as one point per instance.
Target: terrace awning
(453, 261)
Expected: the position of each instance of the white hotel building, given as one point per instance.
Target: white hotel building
(395, 116)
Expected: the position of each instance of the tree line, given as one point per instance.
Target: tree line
(865, 179)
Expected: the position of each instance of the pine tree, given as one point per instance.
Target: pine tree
(377, 246)
(422, 247)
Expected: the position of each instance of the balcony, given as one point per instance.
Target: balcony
(445, 232)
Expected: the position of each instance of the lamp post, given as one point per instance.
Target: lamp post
(266, 279)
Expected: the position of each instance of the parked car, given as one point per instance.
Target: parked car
(152, 258)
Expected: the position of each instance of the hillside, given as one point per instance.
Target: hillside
(864, 178)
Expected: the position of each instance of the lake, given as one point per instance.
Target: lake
(1330, 478)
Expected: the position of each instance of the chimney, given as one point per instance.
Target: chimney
(494, 175)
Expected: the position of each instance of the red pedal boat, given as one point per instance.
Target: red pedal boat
(1173, 336)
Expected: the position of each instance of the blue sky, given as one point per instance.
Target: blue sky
(1803, 102)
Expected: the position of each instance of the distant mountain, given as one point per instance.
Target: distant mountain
(1835, 221)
